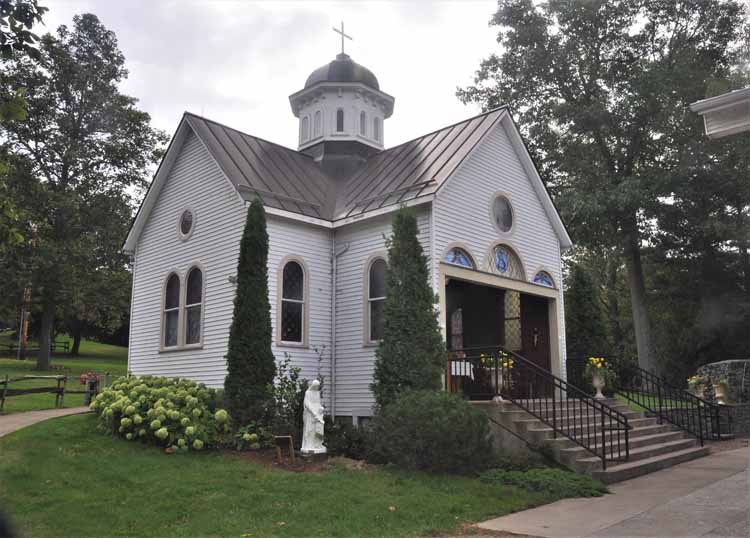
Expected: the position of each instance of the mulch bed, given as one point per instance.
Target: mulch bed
(267, 458)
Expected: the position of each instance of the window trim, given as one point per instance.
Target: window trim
(513, 214)
(343, 121)
(181, 236)
(317, 124)
(463, 247)
(305, 135)
(162, 332)
(490, 263)
(304, 344)
(366, 340)
(377, 129)
(363, 123)
(184, 306)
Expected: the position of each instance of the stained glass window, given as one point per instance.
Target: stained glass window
(458, 256)
(171, 311)
(193, 304)
(376, 299)
(292, 302)
(186, 222)
(502, 212)
(506, 263)
(544, 278)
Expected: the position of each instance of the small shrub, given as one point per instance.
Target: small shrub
(344, 439)
(177, 413)
(287, 401)
(558, 483)
(433, 431)
(253, 437)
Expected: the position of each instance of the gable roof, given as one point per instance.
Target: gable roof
(293, 182)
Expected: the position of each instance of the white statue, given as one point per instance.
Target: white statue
(313, 422)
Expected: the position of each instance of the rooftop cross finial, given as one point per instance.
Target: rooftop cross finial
(343, 35)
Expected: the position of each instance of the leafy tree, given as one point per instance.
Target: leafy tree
(251, 366)
(601, 88)
(89, 147)
(411, 354)
(585, 332)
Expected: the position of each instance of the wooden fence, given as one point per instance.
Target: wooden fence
(59, 389)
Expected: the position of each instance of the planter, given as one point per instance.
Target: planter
(721, 393)
(598, 382)
(496, 380)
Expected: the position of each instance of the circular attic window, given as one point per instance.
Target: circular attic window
(502, 213)
(186, 223)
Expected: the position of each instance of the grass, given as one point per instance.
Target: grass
(64, 478)
(94, 357)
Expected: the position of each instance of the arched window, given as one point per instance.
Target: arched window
(193, 306)
(293, 303)
(318, 124)
(376, 299)
(507, 263)
(376, 129)
(340, 120)
(305, 128)
(171, 311)
(362, 123)
(458, 256)
(544, 278)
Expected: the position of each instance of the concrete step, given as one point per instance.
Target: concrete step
(563, 442)
(528, 425)
(563, 404)
(590, 463)
(632, 469)
(570, 455)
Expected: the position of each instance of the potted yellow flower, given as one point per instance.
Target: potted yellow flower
(599, 371)
(497, 368)
(696, 384)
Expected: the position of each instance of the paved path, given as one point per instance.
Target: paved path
(16, 421)
(707, 497)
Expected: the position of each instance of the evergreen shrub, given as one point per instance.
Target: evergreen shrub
(557, 483)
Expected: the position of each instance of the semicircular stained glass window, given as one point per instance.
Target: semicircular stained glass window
(458, 256)
(544, 278)
(507, 263)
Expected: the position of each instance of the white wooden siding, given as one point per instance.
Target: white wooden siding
(197, 182)
(355, 361)
(463, 214)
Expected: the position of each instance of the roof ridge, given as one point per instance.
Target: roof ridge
(225, 126)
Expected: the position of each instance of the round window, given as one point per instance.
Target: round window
(502, 212)
(186, 222)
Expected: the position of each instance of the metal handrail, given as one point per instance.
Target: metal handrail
(690, 413)
(488, 372)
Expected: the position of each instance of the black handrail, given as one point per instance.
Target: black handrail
(489, 372)
(692, 414)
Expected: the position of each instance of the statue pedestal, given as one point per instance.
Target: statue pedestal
(314, 457)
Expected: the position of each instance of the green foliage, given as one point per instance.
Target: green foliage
(17, 17)
(556, 483)
(170, 412)
(253, 437)
(251, 365)
(411, 354)
(433, 431)
(287, 401)
(344, 439)
(585, 332)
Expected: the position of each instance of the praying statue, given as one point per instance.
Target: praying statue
(313, 422)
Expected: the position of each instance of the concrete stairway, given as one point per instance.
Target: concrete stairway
(653, 446)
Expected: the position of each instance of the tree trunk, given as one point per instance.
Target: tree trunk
(613, 307)
(639, 304)
(45, 338)
(76, 342)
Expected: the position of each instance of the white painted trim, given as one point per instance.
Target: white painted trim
(296, 216)
(491, 212)
(383, 210)
(714, 104)
(379, 255)
(305, 301)
(184, 305)
(462, 246)
(181, 236)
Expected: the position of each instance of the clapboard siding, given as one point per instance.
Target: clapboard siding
(462, 213)
(355, 361)
(196, 181)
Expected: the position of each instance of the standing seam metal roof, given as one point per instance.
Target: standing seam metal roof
(289, 180)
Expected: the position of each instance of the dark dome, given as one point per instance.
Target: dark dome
(343, 69)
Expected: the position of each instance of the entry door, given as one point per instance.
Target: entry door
(535, 330)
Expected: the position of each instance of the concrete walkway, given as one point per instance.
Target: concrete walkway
(16, 421)
(709, 496)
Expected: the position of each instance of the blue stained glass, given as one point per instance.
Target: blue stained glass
(507, 263)
(543, 278)
(457, 256)
(502, 259)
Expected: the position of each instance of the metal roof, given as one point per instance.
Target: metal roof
(289, 180)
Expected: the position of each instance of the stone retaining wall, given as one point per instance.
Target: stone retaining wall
(737, 373)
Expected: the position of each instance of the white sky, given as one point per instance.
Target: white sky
(237, 62)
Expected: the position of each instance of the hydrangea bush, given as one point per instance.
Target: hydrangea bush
(178, 414)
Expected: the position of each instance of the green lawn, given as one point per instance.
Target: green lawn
(94, 357)
(65, 478)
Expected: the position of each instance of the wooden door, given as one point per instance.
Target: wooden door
(535, 342)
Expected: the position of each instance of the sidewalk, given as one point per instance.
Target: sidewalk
(709, 496)
(16, 421)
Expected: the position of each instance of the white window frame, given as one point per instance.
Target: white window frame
(164, 310)
(305, 303)
(186, 307)
(368, 341)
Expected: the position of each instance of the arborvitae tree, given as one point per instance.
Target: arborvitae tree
(585, 332)
(411, 354)
(251, 365)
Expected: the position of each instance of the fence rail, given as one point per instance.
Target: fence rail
(62, 346)
(486, 373)
(93, 384)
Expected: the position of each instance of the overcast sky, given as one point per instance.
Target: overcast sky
(237, 61)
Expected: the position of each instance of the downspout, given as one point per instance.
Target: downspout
(334, 276)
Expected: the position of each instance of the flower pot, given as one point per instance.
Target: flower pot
(598, 382)
(721, 393)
